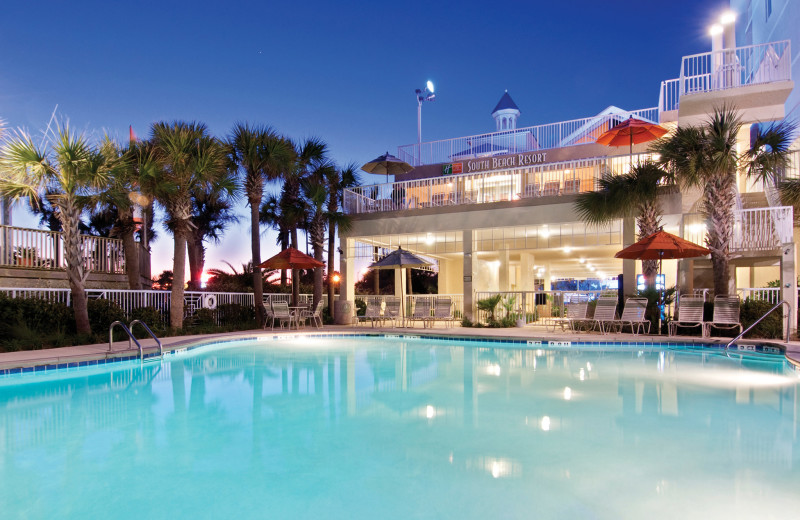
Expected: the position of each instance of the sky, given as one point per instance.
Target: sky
(341, 71)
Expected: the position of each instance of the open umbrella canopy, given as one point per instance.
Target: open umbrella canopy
(387, 164)
(291, 258)
(399, 258)
(662, 246)
(630, 132)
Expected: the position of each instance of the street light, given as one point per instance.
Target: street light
(423, 95)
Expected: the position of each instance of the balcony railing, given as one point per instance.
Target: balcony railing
(38, 249)
(532, 138)
(552, 179)
(759, 229)
(736, 67)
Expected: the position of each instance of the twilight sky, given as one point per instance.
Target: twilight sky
(343, 71)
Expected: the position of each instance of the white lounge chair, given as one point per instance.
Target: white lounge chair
(281, 313)
(633, 316)
(313, 315)
(422, 311)
(726, 314)
(576, 315)
(443, 311)
(690, 314)
(605, 313)
(373, 311)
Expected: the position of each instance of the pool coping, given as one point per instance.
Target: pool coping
(33, 361)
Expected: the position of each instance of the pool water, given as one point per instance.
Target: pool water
(401, 429)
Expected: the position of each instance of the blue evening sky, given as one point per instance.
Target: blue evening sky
(343, 71)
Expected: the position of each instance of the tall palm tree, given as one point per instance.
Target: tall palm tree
(634, 194)
(315, 191)
(186, 156)
(66, 172)
(260, 154)
(338, 180)
(707, 157)
(212, 213)
(308, 154)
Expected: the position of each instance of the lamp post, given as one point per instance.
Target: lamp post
(422, 95)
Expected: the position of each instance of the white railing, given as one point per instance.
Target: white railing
(736, 67)
(411, 299)
(552, 179)
(39, 249)
(528, 139)
(669, 95)
(770, 294)
(533, 306)
(758, 229)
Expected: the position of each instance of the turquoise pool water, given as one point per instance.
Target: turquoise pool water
(399, 429)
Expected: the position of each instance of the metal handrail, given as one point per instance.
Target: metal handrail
(131, 339)
(143, 324)
(745, 331)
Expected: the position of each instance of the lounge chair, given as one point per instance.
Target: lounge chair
(576, 315)
(422, 311)
(281, 313)
(605, 313)
(443, 311)
(726, 314)
(373, 311)
(313, 315)
(392, 311)
(633, 315)
(690, 314)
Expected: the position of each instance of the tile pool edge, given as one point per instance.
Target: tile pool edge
(106, 358)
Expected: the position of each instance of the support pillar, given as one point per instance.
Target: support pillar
(347, 287)
(468, 236)
(503, 281)
(789, 286)
(628, 266)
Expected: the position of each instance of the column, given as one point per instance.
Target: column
(628, 266)
(468, 236)
(504, 283)
(789, 286)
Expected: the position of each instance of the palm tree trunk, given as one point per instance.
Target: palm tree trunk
(70, 216)
(178, 278)
(295, 272)
(131, 248)
(318, 244)
(197, 256)
(255, 249)
(649, 222)
(719, 201)
(331, 258)
(284, 247)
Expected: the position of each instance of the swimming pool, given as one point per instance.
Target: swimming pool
(405, 428)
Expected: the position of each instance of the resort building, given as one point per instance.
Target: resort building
(495, 211)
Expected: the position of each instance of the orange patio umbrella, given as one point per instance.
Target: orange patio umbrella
(630, 132)
(661, 245)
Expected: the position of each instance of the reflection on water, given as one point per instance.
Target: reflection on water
(417, 427)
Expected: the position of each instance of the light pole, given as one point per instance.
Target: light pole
(422, 95)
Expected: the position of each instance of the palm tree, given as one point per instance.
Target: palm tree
(706, 156)
(292, 208)
(338, 180)
(270, 215)
(67, 173)
(185, 156)
(212, 213)
(634, 194)
(315, 191)
(260, 155)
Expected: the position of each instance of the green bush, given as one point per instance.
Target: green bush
(102, 313)
(151, 317)
(233, 314)
(361, 307)
(770, 327)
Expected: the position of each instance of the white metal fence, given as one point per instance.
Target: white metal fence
(758, 229)
(411, 300)
(770, 294)
(736, 67)
(528, 139)
(41, 249)
(669, 96)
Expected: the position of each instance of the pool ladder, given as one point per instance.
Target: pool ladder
(777, 305)
(131, 338)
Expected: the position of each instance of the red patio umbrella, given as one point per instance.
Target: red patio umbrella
(630, 132)
(661, 245)
(291, 258)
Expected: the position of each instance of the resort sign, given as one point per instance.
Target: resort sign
(517, 160)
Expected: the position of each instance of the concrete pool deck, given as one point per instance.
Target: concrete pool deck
(77, 354)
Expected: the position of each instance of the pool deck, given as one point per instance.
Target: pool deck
(32, 358)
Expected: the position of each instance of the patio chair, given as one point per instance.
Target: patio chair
(281, 314)
(550, 189)
(422, 311)
(633, 315)
(373, 311)
(726, 314)
(576, 316)
(690, 314)
(313, 315)
(443, 311)
(392, 311)
(605, 313)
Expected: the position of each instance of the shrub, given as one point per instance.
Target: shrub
(151, 317)
(770, 327)
(235, 314)
(361, 307)
(102, 313)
